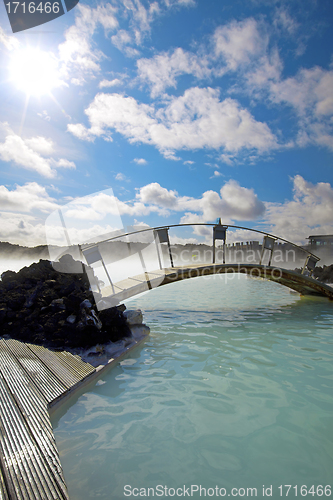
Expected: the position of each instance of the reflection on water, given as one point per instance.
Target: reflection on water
(233, 388)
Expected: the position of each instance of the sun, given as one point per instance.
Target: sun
(34, 72)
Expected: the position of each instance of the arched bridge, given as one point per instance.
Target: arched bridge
(140, 260)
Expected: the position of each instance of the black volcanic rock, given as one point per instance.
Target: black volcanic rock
(324, 274)
(41, 305)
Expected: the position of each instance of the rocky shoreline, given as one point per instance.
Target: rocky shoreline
(56, 309)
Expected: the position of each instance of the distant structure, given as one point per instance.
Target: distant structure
(321, 240)
(321, 245)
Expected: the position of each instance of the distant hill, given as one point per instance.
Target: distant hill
(8, 250)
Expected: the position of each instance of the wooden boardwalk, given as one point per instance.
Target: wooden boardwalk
(32, 379)
(130, 287)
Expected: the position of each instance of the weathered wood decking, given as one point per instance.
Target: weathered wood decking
(31, 379)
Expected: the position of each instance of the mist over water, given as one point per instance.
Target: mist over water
(232, 388)
(15, 264)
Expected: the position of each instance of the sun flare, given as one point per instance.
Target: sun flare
(34, 72)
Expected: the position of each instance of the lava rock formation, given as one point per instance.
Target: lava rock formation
(41, 305)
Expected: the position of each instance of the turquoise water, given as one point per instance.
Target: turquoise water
(233, 389)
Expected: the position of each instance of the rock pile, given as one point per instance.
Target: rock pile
(323, 274)
(43, 306)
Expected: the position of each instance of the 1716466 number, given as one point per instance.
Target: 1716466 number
(314, 491)
(32, 7)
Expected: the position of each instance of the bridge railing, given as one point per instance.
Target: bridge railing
(147, 249)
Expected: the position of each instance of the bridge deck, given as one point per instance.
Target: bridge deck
(31, 379)
(130, 287)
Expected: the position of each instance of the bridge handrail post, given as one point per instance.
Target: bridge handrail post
(157, 241)
(219, 233)
(267, 244)
(163, 237)
(310, 264)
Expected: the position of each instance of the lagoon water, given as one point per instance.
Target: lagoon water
(232, 389)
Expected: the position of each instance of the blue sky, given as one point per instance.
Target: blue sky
(188, 110)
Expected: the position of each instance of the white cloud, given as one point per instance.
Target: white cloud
(155, 194)
(15, 150)
(216, 174)
(195, 120)
(97, 206)
(110, 83)
(309, 89)
(235, 45)
(239, 42)
(122, 40)
(310, 93)
(140, 161)
(233, 202)
(77, 52)
(29, 152)
(65, 163)
(40, 145)
(141, 18)
(227, 158)
(26, 198)
(120, 177)
(284, 21)
(88, 217)
(22, 229)
(161, 71)
(81, 58)
(171, 3)
(78, 82)
(309, 212)
(265, 71)
(80, 131)
(27, 230)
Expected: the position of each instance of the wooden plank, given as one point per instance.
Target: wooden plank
(31, 405)
(53, 363)
(29, 476)
(3, 488)
(41, 376)
(30, 378)
(21, 385)
(75, 364)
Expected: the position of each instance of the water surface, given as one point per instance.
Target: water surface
(233, 389)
